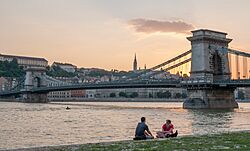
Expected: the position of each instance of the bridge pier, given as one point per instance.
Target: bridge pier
(210, 99)
(35, 98)
(209, 63)
(34, 79)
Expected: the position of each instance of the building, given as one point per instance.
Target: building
(4, 84)
(90, 93)
(25, 61)
(66, 66)
(135, 64)
(8, 83)
(59, 95)
(68, 80)
(78, 93)
(105, 79)
(130, 93)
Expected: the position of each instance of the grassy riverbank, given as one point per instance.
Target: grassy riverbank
(227, 141)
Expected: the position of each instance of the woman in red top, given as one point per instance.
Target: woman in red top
(167, 130)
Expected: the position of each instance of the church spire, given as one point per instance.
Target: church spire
(135, 63)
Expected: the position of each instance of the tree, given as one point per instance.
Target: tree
(150, 95)
(178, 95)
(134, 95)
(99, 73)
(123, 94)
(11, 69)
(165, 94)
(56, 71)
(159, 95)
(241, 95)
(112, 95)
(184, 95)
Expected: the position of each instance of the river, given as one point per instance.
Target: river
(32, 125)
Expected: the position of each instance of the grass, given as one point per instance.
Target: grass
(236, 141)
(230, 141)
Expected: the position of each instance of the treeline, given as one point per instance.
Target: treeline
(11, 69)
(102, 72)
(56, 71)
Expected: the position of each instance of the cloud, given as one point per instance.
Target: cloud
(155, 26)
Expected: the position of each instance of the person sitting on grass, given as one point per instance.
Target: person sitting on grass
(142, 131)
(167, 130)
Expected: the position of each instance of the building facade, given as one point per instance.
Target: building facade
(78, 93)
(25, 61)
(59, 95)
(66, 66)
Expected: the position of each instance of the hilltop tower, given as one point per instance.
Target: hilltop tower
(135, 64)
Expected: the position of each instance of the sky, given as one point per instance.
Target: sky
(107, 33)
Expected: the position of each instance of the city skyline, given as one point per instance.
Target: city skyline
(107, 34)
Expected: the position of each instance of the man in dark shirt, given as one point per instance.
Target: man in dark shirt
(142, 131)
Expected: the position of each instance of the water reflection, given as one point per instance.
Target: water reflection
(27, 125)
(210, 121)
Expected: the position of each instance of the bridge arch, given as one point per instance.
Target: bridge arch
(216, 64)
(34, 78)
(37, 82)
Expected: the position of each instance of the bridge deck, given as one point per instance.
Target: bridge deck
(146, 84)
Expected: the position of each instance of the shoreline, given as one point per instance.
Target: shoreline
(104, 100)
(114, 100)
(117, 100)
(127, 144)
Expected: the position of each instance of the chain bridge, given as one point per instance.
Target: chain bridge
(210, 71)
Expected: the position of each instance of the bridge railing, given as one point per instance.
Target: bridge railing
(233, 81)
(196, 81)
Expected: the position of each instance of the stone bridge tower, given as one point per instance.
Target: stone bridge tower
(34, 78)
(210, 63)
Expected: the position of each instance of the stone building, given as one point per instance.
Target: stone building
(66, 66)
(59, 95)
(78, 93)
(142, 92)
(25, 61)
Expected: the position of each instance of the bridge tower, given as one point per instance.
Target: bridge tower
(210, 63)
(34, 78)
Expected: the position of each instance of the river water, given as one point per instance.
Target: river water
(31, 125)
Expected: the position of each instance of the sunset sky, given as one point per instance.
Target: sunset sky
(107, 33)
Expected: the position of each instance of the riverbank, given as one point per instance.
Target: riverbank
(112, 100)
(226, 141)
(104, 100)
(9, 100)
(117, 100)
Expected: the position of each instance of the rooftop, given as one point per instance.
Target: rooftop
(64, 64)
(208, 30)
(23, 57)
